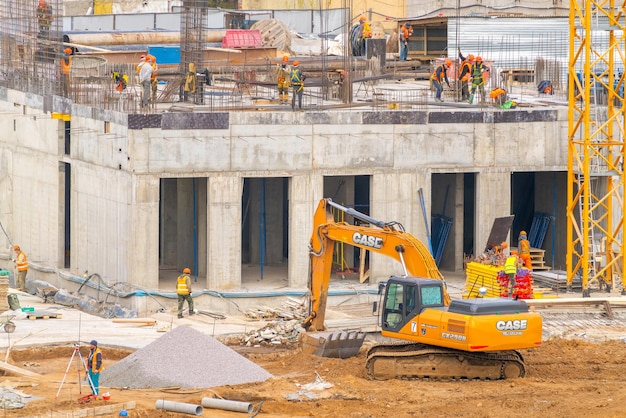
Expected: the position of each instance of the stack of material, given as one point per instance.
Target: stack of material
(4, 290)
(556, 280)
(290, 309)
(481, 275)
(185, 358)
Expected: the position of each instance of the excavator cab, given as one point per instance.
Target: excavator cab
(407, 297)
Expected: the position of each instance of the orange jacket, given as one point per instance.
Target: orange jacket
(66, 64)
(21, 261)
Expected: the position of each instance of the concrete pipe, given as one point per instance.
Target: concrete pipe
(183, 408)
(138, 38)
(227, 405)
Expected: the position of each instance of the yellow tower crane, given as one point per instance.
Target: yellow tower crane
(596, 184)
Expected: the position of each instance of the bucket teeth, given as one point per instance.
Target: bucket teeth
(340, 344)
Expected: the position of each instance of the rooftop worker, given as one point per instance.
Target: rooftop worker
(523, 245)
(21, 263)
(183, 290)
(282, 80)
(440, 74)
(153, 78)
(405, 33)
(66, 66)
(44, 18)
(478, 79)
(297, 82)
(145, 69)
(465, 74)
(358, 34)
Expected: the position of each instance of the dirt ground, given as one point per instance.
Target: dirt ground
(565, 378)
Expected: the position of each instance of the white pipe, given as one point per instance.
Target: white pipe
(227, 405)
(184, 408)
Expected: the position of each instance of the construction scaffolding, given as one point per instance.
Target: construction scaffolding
(31, 45)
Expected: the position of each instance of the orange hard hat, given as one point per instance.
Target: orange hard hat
(479, 58)
(513, 252)
(504, 245)
(68, 50)
(362, 19)
(285, 58)
(470, 57)
(42, 3)
(186, 270)
(448, 62)
(16, 248)
(296, 63)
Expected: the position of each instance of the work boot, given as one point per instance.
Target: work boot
(191, 313)
(180, 315)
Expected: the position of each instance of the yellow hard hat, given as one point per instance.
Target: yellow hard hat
(186, 270)
(522, 233)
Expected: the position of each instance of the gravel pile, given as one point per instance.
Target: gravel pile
(183, 357)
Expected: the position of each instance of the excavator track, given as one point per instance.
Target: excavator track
(421, 361)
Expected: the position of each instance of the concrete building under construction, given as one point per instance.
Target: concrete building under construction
(226, 183)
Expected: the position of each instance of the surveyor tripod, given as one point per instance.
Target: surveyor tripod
(79, 361)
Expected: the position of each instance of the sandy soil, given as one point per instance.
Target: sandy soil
(565, 378)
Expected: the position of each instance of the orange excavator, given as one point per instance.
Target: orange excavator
(439, 338)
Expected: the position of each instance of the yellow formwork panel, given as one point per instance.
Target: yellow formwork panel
(102, 7)
(479, 275)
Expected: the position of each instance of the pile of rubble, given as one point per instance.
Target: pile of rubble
(284, 328)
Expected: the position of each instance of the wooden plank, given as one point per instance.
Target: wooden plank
(17, 370)
(133, 321)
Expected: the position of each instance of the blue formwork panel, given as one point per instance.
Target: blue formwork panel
(165, 54)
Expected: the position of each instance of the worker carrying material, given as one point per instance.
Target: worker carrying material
(358, 34)
(282, 80)
(478, 79)
(439, 75)
(523, 246)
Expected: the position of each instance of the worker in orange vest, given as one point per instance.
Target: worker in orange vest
(66, 65)
(524, 250)
(478, 79)
(465, 74)
(440, 74)
(405, 33)
(358, 34)
(21, 263)
(282, 80)
(151, 59)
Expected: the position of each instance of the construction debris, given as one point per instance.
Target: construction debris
(275, 333)
(290, 309)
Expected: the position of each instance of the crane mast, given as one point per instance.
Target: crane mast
(596, 183)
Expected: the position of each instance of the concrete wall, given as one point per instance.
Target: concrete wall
(117, 168)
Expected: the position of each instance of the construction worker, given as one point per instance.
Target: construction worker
(440, 74)
(191, 81)
(358, 34)
(153, 77)
(119, 80)
(510, 268)
(145, 69)
(183, 290)
(297, 82)
(465, 74)
(523, 245)
(21, 263)
(282, 80)
(405, 33)
(478, 79)
(44, 18)
(66, 66)
(94, 366)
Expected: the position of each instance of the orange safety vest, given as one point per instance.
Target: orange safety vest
(524, 246)
(66, 64)
(441, 75)
(468, 74)
(181, 285)
(407, 32)
(21, 262)
(93, 361)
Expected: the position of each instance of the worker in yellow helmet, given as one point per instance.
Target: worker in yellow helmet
(183, 290)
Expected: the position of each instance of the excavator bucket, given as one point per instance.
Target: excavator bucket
(340, 344)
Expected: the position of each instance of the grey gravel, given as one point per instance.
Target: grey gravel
(185, 358)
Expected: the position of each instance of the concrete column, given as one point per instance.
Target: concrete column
(224, 232)
(458, 222)
(493, 200)
(143, 254)
(395, 198)
(305, 193)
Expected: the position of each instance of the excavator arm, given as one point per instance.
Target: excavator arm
(388, 239)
